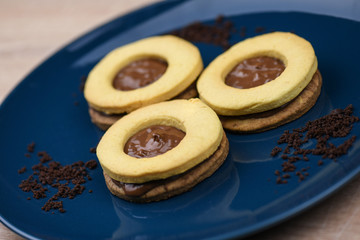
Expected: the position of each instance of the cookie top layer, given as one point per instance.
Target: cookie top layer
(295, 52)
(184, 65)
(203, 134)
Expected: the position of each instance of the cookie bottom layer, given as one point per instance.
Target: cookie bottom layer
(260, 122)
(164, 189)
(104, 121)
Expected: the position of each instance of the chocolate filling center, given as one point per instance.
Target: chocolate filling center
(139, 73)
(254, 72)
(150, 142)
(153, 141)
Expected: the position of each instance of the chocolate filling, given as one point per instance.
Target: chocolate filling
(150, 142)
(139, 73)
(139, 189)
(270, 112)
(254, 72)
(135, 190)
(153, 141)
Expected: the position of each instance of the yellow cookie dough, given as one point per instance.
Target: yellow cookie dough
(295, 52)
(184, 65)
(200, 123)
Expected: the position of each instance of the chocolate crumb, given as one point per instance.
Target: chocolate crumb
(22, 170)
(68, 180)
(275, 151)
(93, 150)
(28, 155)
(288, 167)
(91, 164)
(301, 177)
(286, 175)
(45, 157)
(31, 147)
(217, 34)
(337, 124)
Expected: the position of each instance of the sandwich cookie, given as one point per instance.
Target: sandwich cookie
(147, 71)
(162, 150)
(262, 82)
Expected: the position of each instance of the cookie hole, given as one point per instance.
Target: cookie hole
(253, 72)
(139, 73)
(153, 141)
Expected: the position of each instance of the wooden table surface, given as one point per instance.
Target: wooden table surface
(30, 31)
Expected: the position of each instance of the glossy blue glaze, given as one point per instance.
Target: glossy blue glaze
(239, 199)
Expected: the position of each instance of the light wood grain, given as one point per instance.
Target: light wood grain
(30, 31)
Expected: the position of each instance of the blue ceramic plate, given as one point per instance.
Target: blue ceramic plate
(241, 198)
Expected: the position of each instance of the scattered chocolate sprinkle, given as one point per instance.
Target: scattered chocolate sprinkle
(45, 157)
(22, 170)
(91, 164)
(288, 167)
(28, 155)
(217, 34)
(286, 175)
(337, 124)
(68, 180)
(301, 177)
(31, 147)
(93, 150)
(275, 151)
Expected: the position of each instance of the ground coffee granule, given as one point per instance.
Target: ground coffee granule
(68, 180)
(337, 124)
